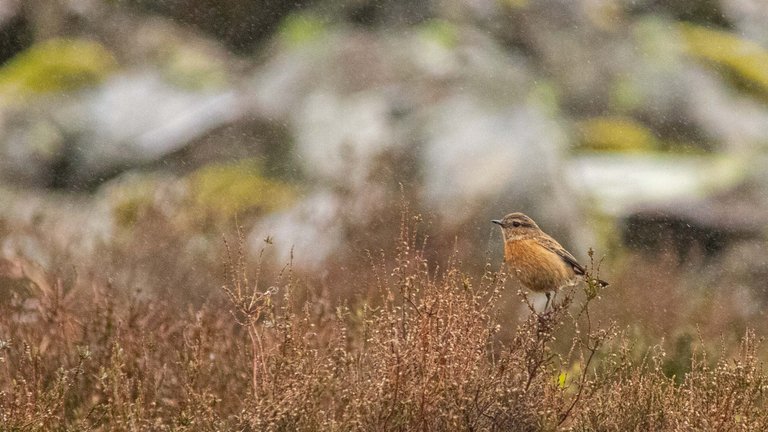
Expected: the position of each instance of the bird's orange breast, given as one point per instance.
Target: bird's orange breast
(538, 268)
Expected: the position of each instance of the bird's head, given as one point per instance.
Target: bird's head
(516, 226)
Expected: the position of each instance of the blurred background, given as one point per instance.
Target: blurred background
(135, 134)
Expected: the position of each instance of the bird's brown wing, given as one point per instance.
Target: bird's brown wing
(553, 246)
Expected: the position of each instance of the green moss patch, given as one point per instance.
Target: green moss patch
(615, 133)
(300, 28)
(226, 190)
(744, 59)
(441, 31)
(57, 65)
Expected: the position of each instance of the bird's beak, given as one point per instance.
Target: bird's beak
(496, 221)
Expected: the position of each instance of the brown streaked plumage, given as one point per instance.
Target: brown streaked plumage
(536, 259)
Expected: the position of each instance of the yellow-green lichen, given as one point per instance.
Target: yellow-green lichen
(56, 65)
(616, 134)
(745, 59)
(223, 191)
(193, 69)
(545, 95)
(516, 4)
(131, 199)
(443, 32)
(300, 28)
(625, 94)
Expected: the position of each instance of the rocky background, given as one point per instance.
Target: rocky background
(136, 134)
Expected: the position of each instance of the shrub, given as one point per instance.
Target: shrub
(426, 348)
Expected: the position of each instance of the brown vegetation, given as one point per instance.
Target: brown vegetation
(426, 348)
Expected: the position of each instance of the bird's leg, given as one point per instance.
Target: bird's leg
(549, 297)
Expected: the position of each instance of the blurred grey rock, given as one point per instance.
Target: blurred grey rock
(32, 146)
(708, 226)
(473, 131)
(339, 138)
(749, 16)
(132, 120)
(619, 183)
(136, 118)
(310, 232)
(241, 25)
(508, 156)
(15, 34)
(471, 112)
(737, 121)
(684, 100)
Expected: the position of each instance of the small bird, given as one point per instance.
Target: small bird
(536, 259)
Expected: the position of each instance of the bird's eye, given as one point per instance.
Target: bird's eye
(515, 224)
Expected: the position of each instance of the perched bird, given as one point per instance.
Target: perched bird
(536, 259)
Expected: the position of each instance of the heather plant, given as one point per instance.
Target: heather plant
(421, 346)
(423, 354)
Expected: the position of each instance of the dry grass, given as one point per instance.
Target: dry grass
(425, 348)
